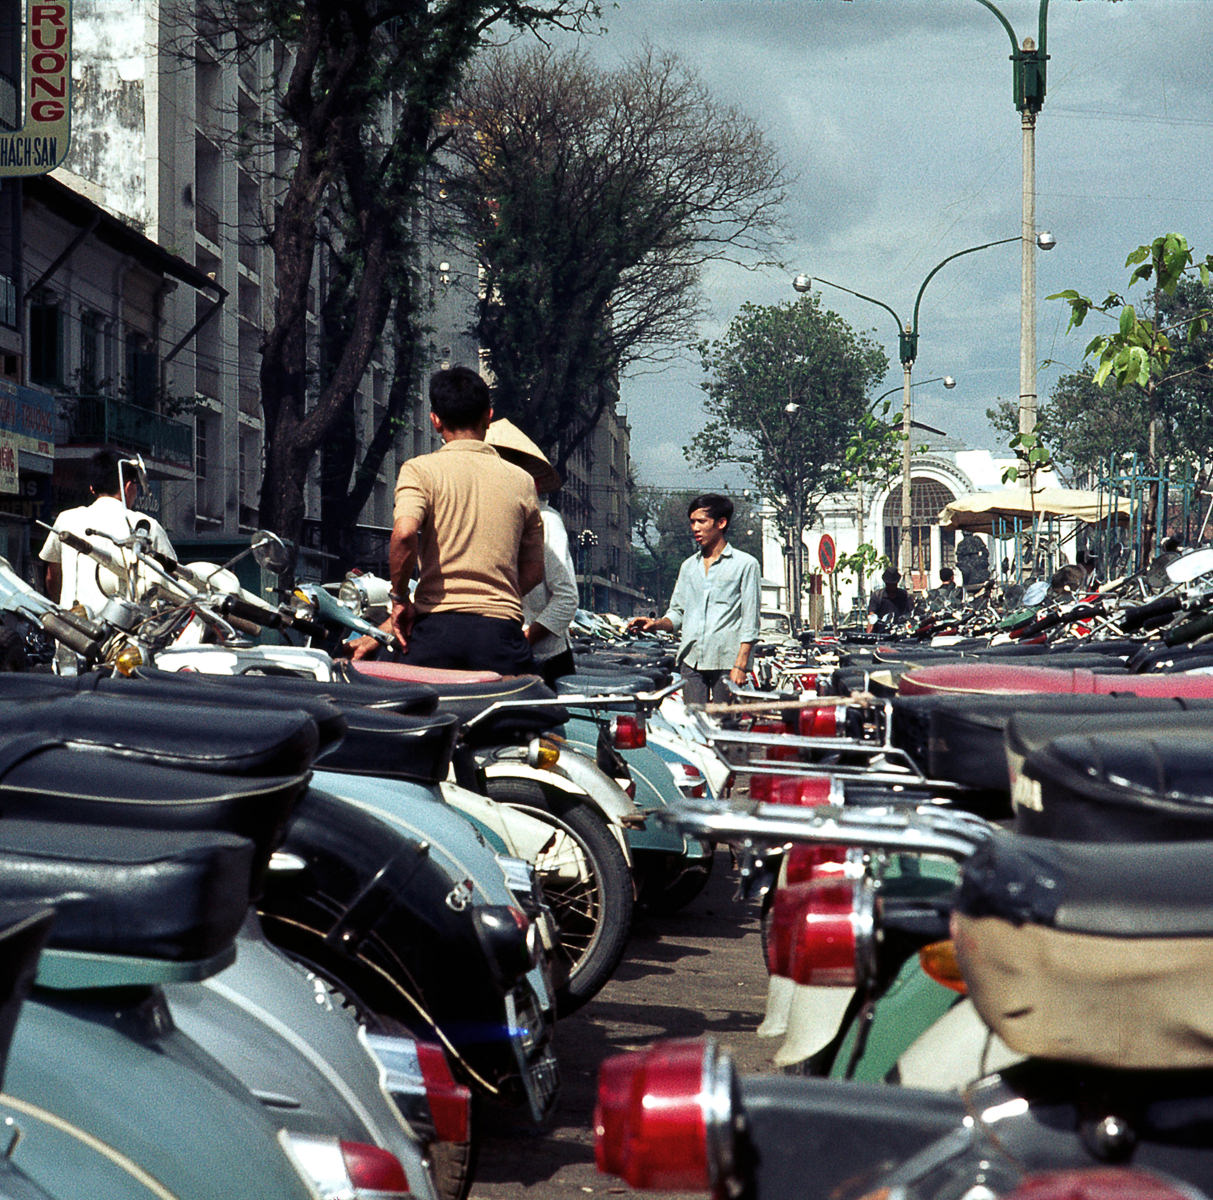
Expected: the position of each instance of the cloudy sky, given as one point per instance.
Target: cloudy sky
(896, 119)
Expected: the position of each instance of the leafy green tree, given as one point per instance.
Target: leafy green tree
(1164, 352)
(785, 392)
(660, 528)
(1085, 426)
(594, 199)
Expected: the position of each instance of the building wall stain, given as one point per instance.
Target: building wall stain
(109, 145)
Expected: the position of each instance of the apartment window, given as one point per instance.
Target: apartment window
(142, 368)
(46, 342)
(91, 354)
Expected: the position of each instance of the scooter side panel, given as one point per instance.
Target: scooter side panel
(152, 1095)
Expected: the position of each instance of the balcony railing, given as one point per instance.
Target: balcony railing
(100, 420)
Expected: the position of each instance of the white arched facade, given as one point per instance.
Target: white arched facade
(942, 473)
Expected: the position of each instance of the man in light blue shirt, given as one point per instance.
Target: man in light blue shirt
(714, 606)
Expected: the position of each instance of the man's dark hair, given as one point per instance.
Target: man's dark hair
(946, 575)
(103, 475)
(459, 397)
(717, 507)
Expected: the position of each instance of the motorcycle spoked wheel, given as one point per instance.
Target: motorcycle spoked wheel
(452, 1164)
(586, 883)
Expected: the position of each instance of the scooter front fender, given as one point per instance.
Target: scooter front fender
(575, 776)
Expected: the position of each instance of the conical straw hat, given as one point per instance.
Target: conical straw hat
(512, 444)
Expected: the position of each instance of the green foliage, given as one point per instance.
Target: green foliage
(792, 354)
(861, 562)
(1032, 457)
(1141, 350)
(352, 182)
(660, 527)
(1150, 388)
(1085, 425)
(873, 454)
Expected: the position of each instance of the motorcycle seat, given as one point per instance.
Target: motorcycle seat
(53, 782)
(395, 746)
(595, 684)
(1128, 889)
(469, 700)
(403, 672)
(975, 678)
(178, 896)
(167, 688)
(961, 738)
(1091, 952)
(1148, 780)
(248, 741)
(356, 690)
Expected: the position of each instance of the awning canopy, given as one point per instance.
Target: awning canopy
(980, 511)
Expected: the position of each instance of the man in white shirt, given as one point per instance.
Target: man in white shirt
(74, 578)
(547, 610)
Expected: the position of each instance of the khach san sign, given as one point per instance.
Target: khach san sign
(41, 144)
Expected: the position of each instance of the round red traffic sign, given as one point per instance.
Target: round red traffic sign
(826, 554)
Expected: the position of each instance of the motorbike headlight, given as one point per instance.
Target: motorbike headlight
(361, 593)
(128, 659)
(351, 596)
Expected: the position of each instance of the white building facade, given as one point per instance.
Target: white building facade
(944, 471)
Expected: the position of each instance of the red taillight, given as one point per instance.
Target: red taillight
(820, 721)
(628, 732)
(664, 1118)
(816, 931)
(372, 1169)
(341, 1170)
(1099, 1183)
(805, 862)
(450, 1102)
(805, 791)
(689, 779)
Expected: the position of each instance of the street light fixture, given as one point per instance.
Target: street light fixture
(907, 342)
(1028, 80)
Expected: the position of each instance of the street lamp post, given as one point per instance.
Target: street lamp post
(1028, 62)
(907, 343)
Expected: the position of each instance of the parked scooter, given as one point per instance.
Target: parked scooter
(471, 997)
(1041, 926)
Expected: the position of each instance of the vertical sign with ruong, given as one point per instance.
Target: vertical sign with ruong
(41, 144)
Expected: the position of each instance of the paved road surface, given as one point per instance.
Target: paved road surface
(698, 972)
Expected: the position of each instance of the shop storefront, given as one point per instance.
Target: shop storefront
(27, 455)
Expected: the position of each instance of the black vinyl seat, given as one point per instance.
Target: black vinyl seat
(1132, 889)
(470, 700)
(178, 896)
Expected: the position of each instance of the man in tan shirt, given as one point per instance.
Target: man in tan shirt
(470, 521)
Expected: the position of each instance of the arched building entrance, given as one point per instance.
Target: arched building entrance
(930, 546)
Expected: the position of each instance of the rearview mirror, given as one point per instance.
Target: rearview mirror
(270, 552)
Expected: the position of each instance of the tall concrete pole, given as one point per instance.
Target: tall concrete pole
(903, 557)
(1027, 314)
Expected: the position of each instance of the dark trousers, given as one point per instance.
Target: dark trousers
(556, 667)
(469, 642)
(697, 685)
